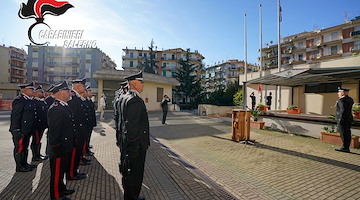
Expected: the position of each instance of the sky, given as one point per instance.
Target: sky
(213, 27)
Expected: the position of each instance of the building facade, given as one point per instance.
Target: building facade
(13, 73)
(219, 76)
(313, 65)
(53, 64)
(166, 60)
(316, 46)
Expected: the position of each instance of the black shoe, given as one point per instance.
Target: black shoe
(23, 169)
(86, 160)
(67, 192)
(84, 163)
(30, 166)
(141, 198)
(89, 153)
(343, 149)
(36, 159)
(76, 178)
(44, 157)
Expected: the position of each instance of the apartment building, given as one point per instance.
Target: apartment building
(13, 73)
(220, 75)
(53, 64)
(317, 46)
(166, 60)
(313, 65)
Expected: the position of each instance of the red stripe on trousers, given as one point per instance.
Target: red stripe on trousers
(57, 177)
(84, 147)
(37, 137)
(72, 163)
(21, 146)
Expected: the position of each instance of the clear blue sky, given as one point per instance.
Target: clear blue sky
(213, 27)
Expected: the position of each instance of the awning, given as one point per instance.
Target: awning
(298, 77)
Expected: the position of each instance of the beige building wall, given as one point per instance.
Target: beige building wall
(4, 64)
(149, 95)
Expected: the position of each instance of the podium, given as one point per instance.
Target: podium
(241, 125)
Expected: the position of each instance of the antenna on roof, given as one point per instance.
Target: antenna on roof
(346, 17)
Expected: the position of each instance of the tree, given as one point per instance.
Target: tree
(190, 85)
(150, 65)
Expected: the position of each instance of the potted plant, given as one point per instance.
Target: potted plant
(330, 135)
(292, 109)
(261, 107)
(255, 114)
(356, 111)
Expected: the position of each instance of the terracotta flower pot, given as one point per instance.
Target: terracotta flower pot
(356, 114)
(257, 125)
(334, 138)
(294, 111)
(262, 108)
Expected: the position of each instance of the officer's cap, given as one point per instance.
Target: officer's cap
(88, 87)
(28, 85)
(137, 76)
(39, 89)
(79, 80)
(124, 84)
(60, 86)
(340, 89)
(50, 88)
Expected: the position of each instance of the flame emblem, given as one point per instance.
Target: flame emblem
(39, 8)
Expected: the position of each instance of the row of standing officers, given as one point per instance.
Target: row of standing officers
(69, 116)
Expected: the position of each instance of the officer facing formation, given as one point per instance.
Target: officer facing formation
(61, 140)
(344, 118)
(77, 105)
(22, 125)
(135, 133)
(41, 108)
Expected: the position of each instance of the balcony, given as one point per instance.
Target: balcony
(355, 34)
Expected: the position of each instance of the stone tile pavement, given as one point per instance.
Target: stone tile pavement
(193, 158)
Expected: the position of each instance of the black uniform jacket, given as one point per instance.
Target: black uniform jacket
(41, 109)
(61, 128)
(92, 117)
(23, 115)
(136, 129)
(344, 110)
(78, 107)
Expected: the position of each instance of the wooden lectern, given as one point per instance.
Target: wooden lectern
(240, 125)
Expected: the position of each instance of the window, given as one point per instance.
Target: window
(334, 36)
(35, 49)
(317, 41)
(131, 63)
(164, 73)
(300, 57)
(173, 57)
(131, 54)
(334, 50)
(300, 45)
(145, 55)
(140, 54)
(159, 94)
(322, 87)
(88, 61)
(357, 45)
(164, 65)
(172, 74)
(164, 55)
(233, 66)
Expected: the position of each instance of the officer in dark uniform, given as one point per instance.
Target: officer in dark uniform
(77, 105)
(135, 138)
(92, 118)
(61, 140)
(50, 98)
(344, 118)
(22, 126)
(41, 109)
(122, 92)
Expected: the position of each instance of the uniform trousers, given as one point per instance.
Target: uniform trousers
(133, 173)
(58, 166)
(345, 134)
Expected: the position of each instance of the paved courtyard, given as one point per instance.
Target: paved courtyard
(193, 158)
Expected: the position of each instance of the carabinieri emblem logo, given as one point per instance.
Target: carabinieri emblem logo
(38, 9)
